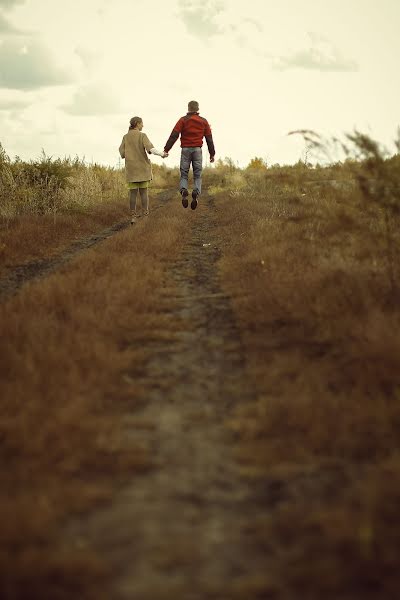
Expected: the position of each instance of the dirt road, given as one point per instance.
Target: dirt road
(182, 530)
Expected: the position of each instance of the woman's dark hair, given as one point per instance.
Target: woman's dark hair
(134, 121)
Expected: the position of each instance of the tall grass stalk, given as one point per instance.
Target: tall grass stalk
(377, 175)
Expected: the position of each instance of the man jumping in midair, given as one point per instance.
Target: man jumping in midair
(192, 129)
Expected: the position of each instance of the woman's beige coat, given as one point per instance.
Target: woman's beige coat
(133, 149)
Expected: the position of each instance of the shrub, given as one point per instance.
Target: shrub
(50, 186)
(257, 163)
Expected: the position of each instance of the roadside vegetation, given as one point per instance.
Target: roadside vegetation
(310, 257)
(47, 203)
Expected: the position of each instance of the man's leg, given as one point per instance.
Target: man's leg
(197, 159)
(144, 196)
(184, 167)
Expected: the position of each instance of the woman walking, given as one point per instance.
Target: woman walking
(134, 148)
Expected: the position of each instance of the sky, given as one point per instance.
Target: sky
(73, 73)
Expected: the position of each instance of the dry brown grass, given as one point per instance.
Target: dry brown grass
(72, 346)
(32, 237)
(45, 204)
(308, 271)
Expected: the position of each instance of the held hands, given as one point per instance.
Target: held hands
(165, 154)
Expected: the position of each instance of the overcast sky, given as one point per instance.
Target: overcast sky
(73, 73)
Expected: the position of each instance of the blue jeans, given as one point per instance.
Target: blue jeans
(194, 156)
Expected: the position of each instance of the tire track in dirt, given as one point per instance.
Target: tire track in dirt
(21, 274)
(184, 529)
(11, 283)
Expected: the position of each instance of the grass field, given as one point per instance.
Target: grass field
(309, 280)
(309, 259)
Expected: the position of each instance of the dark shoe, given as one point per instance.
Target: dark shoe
(184, 194)
(193, 204)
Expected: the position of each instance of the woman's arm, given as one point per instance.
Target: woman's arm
(122, 148)
(150, 148)
(158, 152)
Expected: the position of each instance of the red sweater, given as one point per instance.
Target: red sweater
(192, 129)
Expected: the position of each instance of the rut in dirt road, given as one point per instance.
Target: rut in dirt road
(22, 274)
(181, 531)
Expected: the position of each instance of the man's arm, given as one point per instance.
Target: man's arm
(174, 135)
(210, 145)
(210, 141)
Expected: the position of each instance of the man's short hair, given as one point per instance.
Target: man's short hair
(193, 106)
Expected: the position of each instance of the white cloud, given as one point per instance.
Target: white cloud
(88, 57)
(321, 55)
(6, 26)
(199, 17)
(13, 104)
(27, 65)
(93, 99)
(6, 4)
